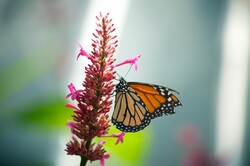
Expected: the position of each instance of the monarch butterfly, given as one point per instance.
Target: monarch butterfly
(137, 103)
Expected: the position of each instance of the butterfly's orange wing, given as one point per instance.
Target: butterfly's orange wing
(157, 99)
(130, 113)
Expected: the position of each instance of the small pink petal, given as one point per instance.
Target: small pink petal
(71, 88)
(71, 125)
(118, 136)
(83, 53)
(132, 61)
(89, 107)
(105, 156)
(73, 92)
(71, 106)
(101, 142)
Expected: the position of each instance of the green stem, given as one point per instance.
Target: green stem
(83, 158)
(83, 161)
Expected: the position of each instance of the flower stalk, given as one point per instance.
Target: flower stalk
(90, 118)
(94, 100)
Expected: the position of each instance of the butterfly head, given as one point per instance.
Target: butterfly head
(122, 86)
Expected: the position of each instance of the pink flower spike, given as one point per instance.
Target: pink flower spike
(105, 156)
(83, 53)
(93, 100)
(132, 61)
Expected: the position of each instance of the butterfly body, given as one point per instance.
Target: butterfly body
(137, 103)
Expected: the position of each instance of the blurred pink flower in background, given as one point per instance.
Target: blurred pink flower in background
(195, 152)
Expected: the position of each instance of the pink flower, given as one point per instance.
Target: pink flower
(83, 53)
(196, 153)
(72, 106)
(132, 61)
(72, 126)
(118, 136)
(73, 92)
(105, 156)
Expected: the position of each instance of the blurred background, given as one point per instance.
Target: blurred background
(199, 48)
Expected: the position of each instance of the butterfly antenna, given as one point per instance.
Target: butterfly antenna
(128, 70)
(174, 91)
(118, 76)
